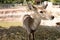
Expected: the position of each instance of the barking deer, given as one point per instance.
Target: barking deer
(31, 22)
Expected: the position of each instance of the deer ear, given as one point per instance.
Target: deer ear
(32, 7)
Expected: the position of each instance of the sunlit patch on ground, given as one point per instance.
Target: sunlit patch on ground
(8, 24)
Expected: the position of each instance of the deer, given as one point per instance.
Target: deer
(32, 21)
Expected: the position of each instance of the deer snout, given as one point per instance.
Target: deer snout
(52, 17)
(58, 23)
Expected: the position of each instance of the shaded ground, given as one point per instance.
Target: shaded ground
(18, 33)
(47, 33)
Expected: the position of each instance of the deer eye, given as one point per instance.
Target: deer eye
(41, 11)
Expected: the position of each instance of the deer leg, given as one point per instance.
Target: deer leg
(30, 36)
(33, 35)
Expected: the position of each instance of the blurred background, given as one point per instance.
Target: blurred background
(25, 1)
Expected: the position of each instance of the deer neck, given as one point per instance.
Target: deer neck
(35, 15)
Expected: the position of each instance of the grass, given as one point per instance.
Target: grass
(47, 33)
(19, 33)
(13, 33)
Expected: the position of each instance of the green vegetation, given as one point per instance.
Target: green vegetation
(12, 1)
(22, 1)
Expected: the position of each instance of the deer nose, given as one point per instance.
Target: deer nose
(58, 23)
(52, 17)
